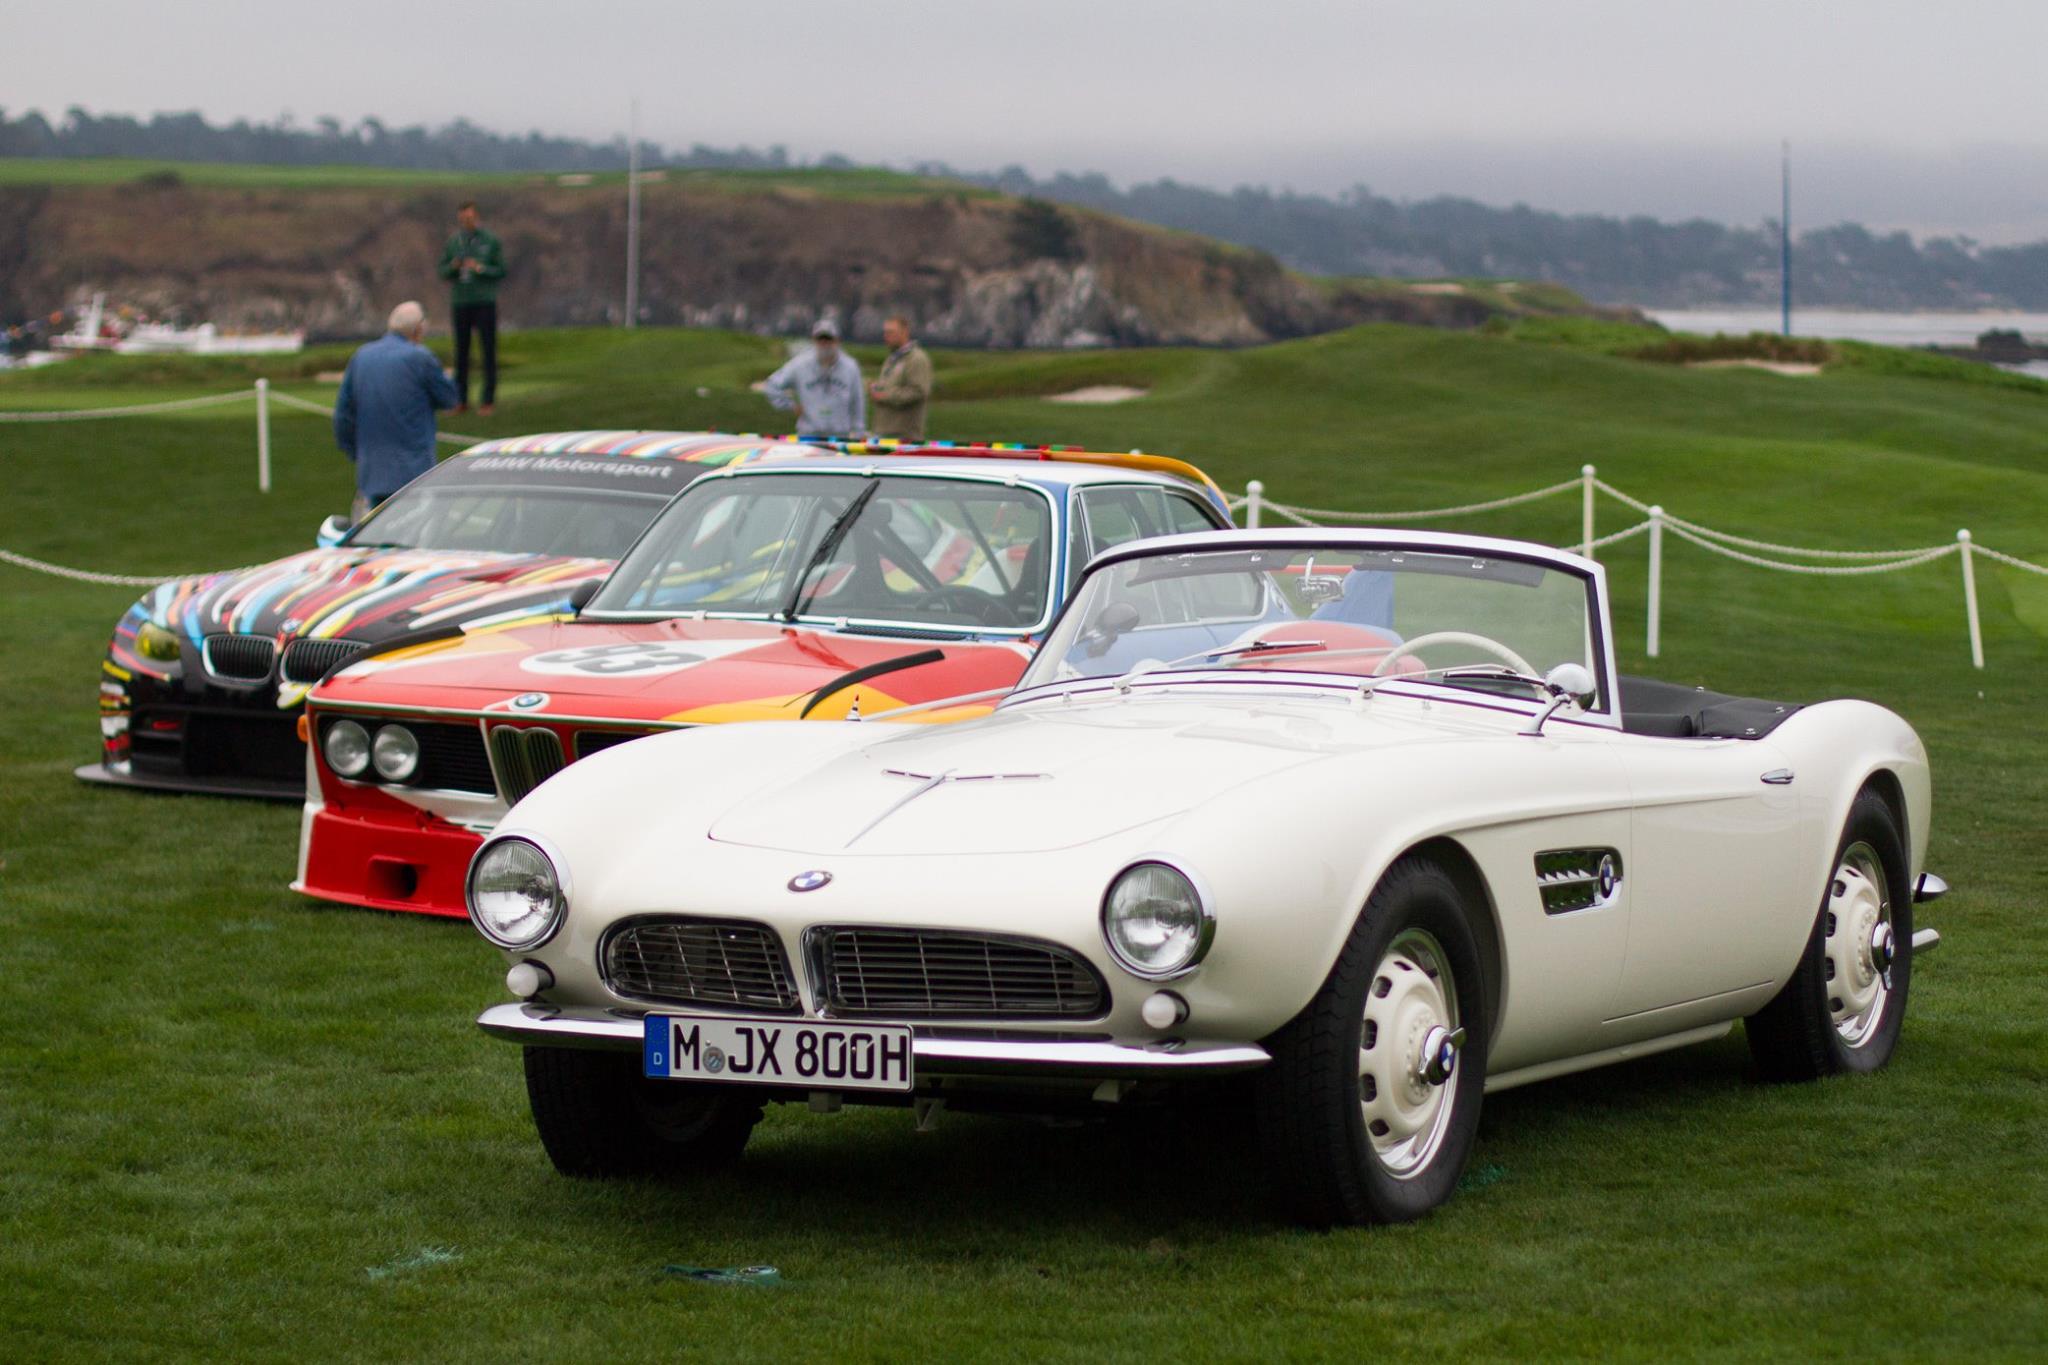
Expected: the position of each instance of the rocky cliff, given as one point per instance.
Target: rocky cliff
(973, 270)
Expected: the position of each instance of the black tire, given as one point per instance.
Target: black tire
(598, 1116)
(1312, 1126)
(1794, 1038)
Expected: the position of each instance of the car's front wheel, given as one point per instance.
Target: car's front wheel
(1370, 1107)
(598, 1116)
(1846, 1000)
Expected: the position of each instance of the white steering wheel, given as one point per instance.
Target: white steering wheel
(1454, 637)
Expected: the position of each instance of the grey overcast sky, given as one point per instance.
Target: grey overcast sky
(1916, 115)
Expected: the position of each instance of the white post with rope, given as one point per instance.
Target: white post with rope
(263, 435)
(1254, 495)
(1654, 632)
(1970, 599)
(1587, 478)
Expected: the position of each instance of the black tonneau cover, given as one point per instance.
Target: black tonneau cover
(1675, 711)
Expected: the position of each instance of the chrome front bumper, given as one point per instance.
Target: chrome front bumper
(550, 1026)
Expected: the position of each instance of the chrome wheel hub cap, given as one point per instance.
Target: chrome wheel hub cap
(1859, 944)
(1408, 1052)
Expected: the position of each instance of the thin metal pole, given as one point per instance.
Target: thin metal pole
(1254, 495)
(1653, 635)
(1586, 512)
(1785, 235)
(1970, 600)
(263, 435)
(633, 214)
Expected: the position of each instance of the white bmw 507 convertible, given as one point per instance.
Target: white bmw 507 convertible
(1365, 821)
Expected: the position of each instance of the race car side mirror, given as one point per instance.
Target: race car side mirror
(1112, 621)
(331, 531)
(580, 595)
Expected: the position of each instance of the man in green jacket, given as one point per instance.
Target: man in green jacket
(473, 262)
(904, 389)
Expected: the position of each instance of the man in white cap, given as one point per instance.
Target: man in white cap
(823, 386)
(384, 414)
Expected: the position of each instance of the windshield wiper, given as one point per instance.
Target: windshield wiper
(874, 670)
(1219, 654)
(826, 546)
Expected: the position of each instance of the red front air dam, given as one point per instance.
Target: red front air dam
(389, 864)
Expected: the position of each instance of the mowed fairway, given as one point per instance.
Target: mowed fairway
(232, 1120)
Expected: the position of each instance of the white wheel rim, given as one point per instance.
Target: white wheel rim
(1411, 1000)
(1859, 945)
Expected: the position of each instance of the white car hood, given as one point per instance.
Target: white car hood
(1030, 779)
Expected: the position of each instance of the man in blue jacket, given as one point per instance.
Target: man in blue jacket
(384, 414)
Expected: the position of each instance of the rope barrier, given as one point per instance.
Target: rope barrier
(1836, 570)
(1616, 536)
(1728, 537)
(133, 410)
(1495, 504)
(2007, 559)
(326, 410)
(119, 580)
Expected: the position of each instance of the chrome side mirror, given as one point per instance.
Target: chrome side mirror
(1568, 684)
(331, 531)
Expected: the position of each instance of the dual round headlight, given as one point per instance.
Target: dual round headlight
(1156, 920)
(517, 893)
(350, 751)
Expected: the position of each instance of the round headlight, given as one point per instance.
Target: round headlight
(1155, 920)
(154, 642)
(516, 895)
(396, 753)
(347, 747)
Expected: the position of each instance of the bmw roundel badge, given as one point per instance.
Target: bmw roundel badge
(809, 881)
(526, 701)
(1609, 875)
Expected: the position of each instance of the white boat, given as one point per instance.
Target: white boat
(93, 332)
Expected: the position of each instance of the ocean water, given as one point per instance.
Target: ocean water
(1888, 329)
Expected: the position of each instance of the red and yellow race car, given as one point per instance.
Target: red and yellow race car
(881, 579)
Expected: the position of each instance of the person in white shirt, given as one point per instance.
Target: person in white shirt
(823, 385)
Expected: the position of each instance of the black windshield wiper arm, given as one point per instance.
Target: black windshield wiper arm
(826, 546)
(866, 671)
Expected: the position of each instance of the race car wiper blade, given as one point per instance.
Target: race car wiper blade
(916, 659)
(826, 545)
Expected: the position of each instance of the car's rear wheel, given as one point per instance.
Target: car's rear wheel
(1370, 1107)
(1846, 1000)
(598, 1116)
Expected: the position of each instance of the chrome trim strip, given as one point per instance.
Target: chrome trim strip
(465, 713)
(551, 1026)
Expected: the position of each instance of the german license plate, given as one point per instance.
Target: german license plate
(778, 1052)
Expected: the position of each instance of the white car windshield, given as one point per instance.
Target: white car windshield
(895, 551)
(1462, 619)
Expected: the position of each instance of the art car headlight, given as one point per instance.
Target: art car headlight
(158, 645)
(517, 892)
(395, 753)
(1157, 922)
(347, 746)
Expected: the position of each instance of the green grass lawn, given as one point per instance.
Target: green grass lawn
(231, 1120)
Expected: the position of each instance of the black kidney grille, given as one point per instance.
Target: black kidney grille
(307, 661)
(526, 756)
(452, 757)
(244, 657)
(699, 962)
(590, 742)
(931, 973)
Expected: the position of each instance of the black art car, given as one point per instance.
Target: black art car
(205, 677)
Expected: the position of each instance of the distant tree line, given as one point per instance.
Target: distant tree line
(459, 146)
(1636, 260)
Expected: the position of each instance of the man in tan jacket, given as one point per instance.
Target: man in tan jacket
(904, 389)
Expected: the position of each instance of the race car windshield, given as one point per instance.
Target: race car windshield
(1490, 623)
(513, 519)
(917, 553)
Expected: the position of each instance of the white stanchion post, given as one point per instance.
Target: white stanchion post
(1254, 495)
(1970, 599)
(1586, 511)
(263, 435)
(1653, 633)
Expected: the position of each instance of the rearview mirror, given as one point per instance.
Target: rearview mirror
(332, 530)
(1112, 621)
(1569, 680)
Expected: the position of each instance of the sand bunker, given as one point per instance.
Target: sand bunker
(1791, 367)
(1097, 393)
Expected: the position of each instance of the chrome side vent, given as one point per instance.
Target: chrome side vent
(523, 757)
(1578, 879)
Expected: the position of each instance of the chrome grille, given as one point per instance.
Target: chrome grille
(699, 962)
(938, 974)
(307, 661)
(524, 757)
(246, 658)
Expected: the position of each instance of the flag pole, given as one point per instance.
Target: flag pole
(633, 214)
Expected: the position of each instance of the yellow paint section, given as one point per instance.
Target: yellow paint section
(115, 670)
(834, 707)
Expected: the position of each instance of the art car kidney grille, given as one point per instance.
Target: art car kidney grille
(940, 974)
(245, 658)
(720, 963)
(307, 661)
